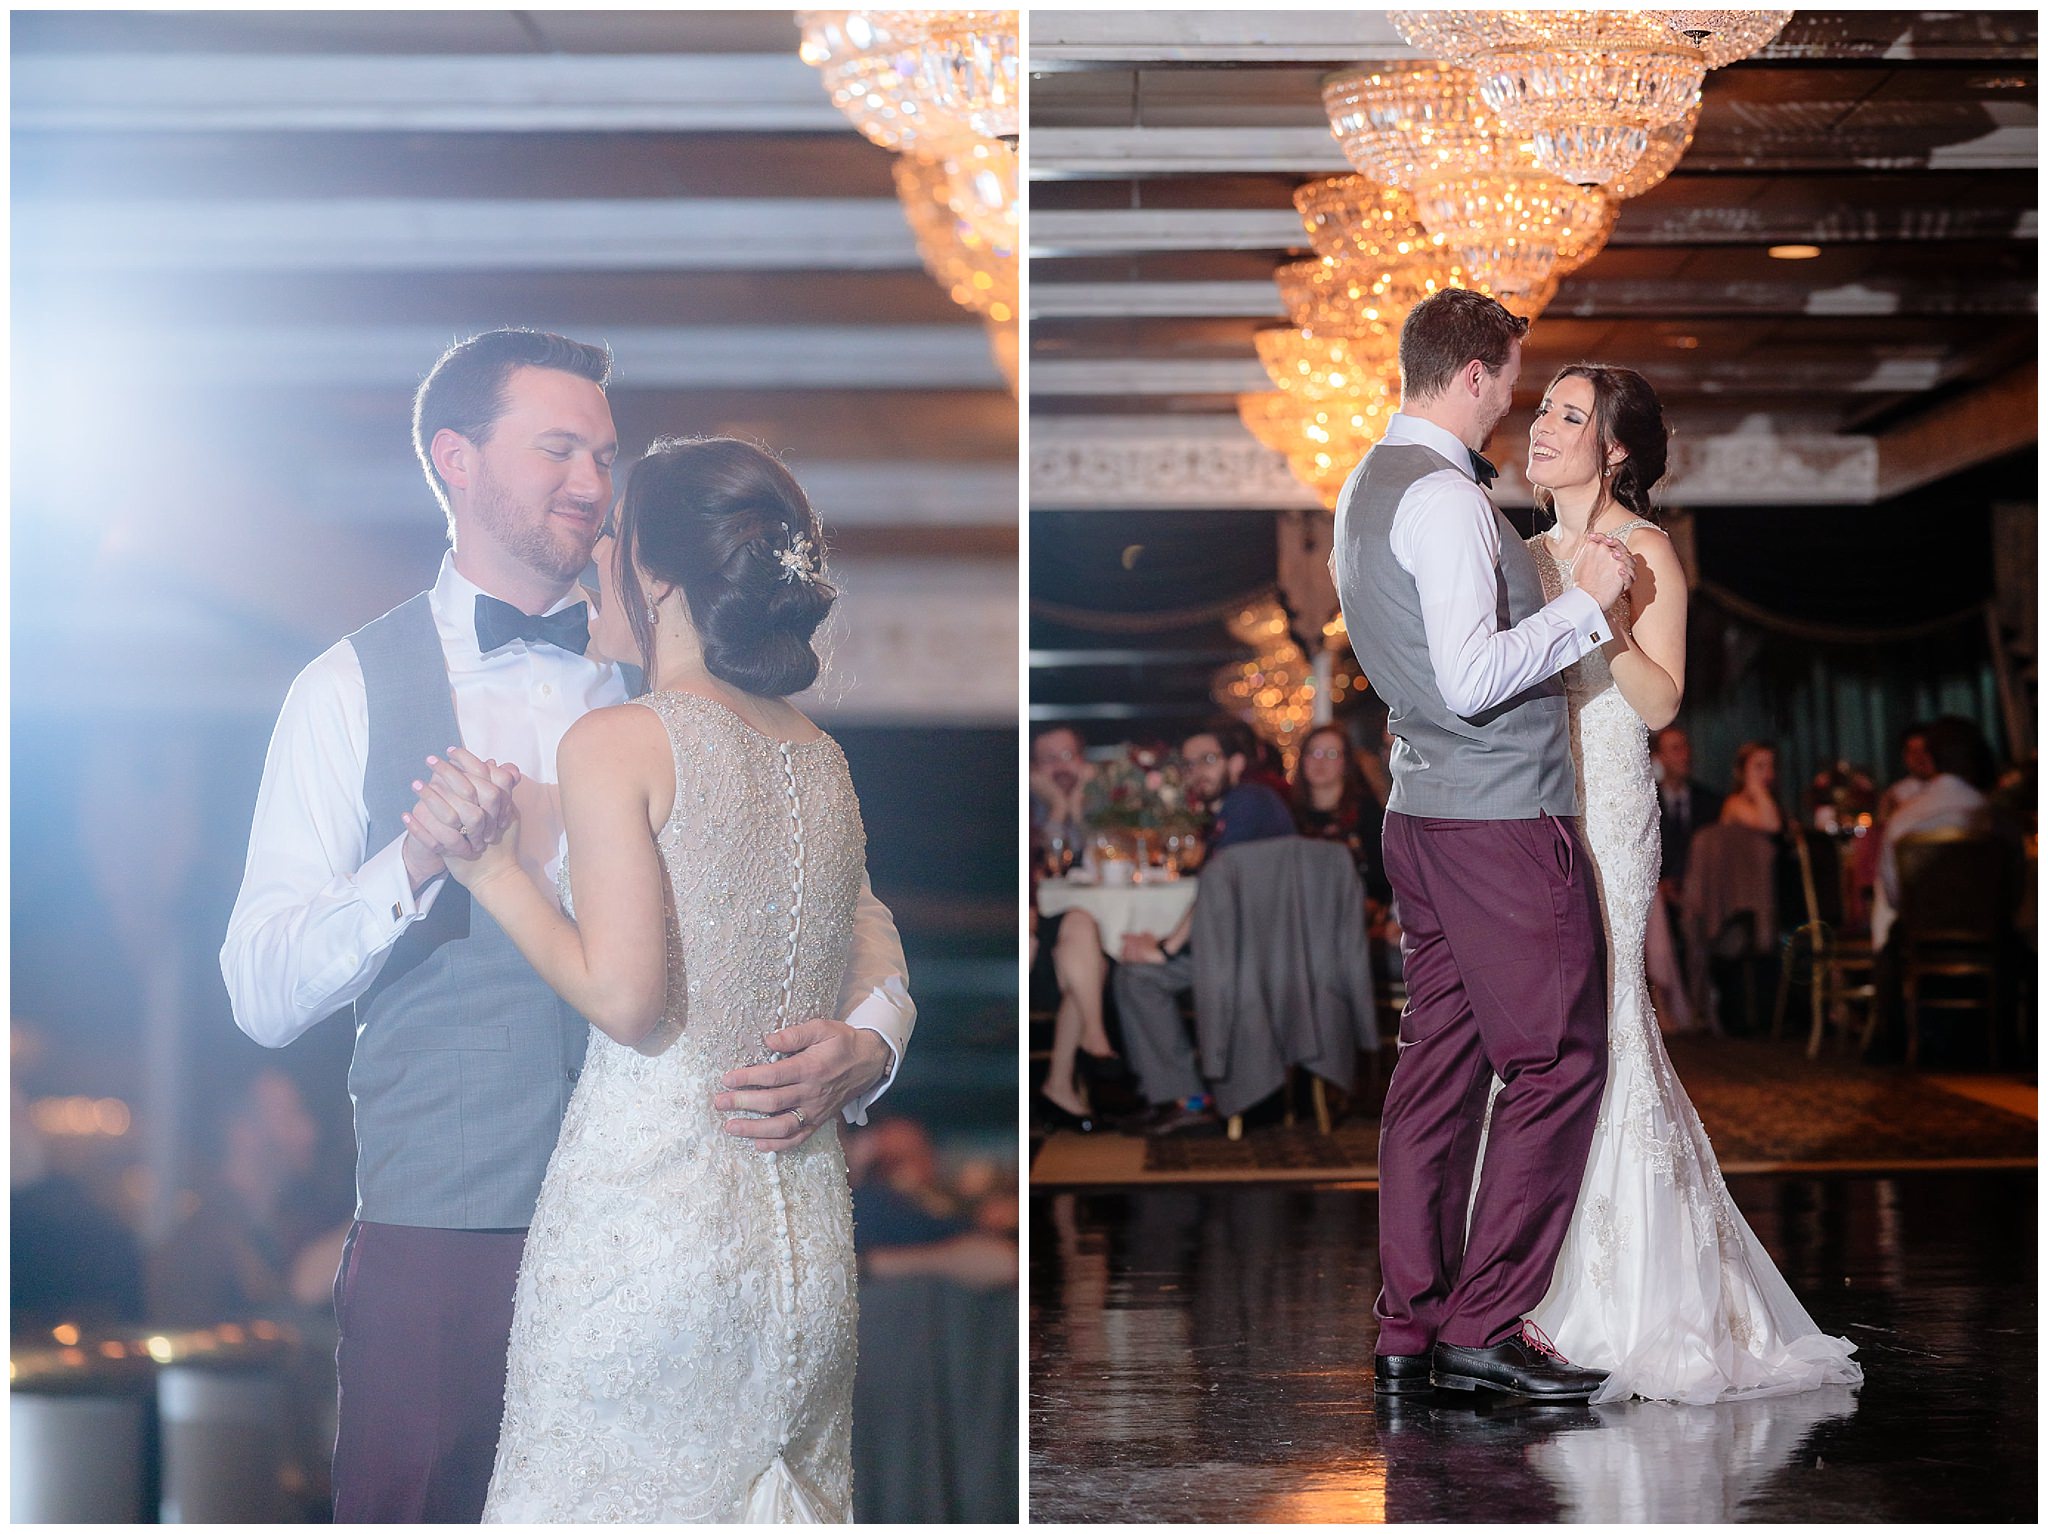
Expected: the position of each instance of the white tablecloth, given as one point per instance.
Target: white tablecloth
(1121, 908)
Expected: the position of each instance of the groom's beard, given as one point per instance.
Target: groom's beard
(532, 537)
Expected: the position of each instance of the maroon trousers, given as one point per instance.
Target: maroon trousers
(1507, 975)
(425, 1319)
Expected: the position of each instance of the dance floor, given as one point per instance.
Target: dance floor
(1202, 1354)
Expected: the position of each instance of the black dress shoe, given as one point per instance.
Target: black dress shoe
(1401, 1374)
(1060, 1118)
(1518, 1366)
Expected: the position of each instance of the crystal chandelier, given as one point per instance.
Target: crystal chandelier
(941, 88)
(1326, 364)
(1725, 36)
(1476, 185)
(1589, 88)
(1667, 147)
(918, 78)
(1322, 440)
(1277, 686)
(978, 273)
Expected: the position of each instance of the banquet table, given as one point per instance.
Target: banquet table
(1119, 909)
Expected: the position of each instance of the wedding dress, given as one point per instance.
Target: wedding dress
(1660, 1282)
(683, 1328)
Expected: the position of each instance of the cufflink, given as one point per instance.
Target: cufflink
(396, 913)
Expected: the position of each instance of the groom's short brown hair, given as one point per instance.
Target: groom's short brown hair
(465, 391)
(1449, 329)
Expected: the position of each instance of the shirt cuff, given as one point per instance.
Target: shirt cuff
(1587, 620)
(884, 1010)
(386, 888)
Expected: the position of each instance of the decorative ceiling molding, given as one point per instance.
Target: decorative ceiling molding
(371, 234)
(354, 92)
(1847, 372)
(1150, 463)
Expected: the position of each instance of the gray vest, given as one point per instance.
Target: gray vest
(1512, 762)
(464, 1058)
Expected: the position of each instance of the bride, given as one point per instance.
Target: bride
(1660, 1282)
(683, 1328)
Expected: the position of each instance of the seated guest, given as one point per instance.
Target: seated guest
(1956, 798)
(1755, 800)
(1059, 779)
(1332, 802)
(1920, 771)
(1953, 797)
(1157, 972)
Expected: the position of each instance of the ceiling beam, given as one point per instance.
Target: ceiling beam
(1308, 149)
(371, 234)
(1583, 296)
(1841, 220)
(645, 356)
(352, 92)
(1075, 39)
(1124, 39)
(1986, 423)
(1059, 153)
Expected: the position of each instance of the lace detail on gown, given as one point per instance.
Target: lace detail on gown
(1660, 1281)
(683, 1329)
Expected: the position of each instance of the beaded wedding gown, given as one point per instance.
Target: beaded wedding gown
(683, 1328)
(1661, 1282)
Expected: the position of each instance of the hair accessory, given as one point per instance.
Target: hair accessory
(799, 560)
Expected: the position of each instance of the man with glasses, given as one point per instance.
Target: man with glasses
(1158, 972)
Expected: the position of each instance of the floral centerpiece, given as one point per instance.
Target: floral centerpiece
(1140, 791)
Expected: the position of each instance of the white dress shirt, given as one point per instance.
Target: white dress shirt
(319, 911)
(1945, 802)
(1446, 535)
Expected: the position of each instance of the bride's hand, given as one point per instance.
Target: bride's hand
(465, 814)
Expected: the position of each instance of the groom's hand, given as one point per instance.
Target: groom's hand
(465, 804)
(828, 1064)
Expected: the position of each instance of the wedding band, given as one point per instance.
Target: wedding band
(806, 1123)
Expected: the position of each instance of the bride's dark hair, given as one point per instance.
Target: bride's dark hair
(725, 521)
(1627, 415)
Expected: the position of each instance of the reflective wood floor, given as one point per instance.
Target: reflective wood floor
(1203, 1355)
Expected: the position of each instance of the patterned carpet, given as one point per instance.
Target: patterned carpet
(1765, 1106)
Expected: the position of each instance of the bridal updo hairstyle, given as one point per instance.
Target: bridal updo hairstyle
(716, 516)
(1627, 415)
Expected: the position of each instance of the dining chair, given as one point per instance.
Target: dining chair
(1955, 908)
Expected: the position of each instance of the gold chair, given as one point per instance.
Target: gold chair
(1818, 956)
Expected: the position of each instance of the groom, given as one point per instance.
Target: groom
(464, 1059)
(1502, 942)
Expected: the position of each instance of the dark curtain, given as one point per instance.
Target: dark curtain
(1827, 631)
(1820, 702)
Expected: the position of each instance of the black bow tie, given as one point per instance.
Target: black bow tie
(499, 623)
(1483, 470)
